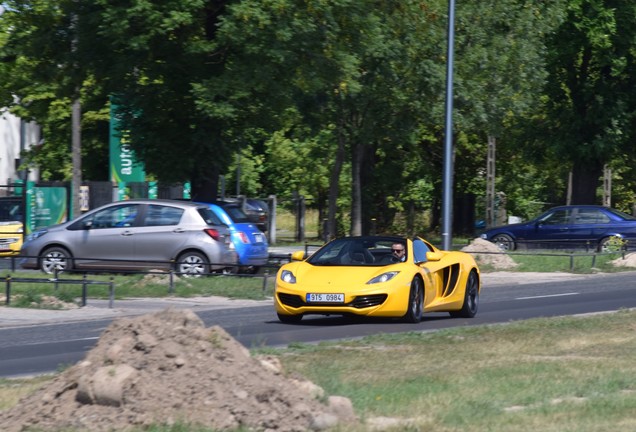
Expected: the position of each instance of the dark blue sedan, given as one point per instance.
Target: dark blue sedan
(588, 226)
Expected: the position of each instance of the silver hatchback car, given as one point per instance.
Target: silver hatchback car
(135, 235)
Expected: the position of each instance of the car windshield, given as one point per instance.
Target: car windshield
(11, 209)
(356, 251)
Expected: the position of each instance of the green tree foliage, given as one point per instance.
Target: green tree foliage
(500, 64)
(42, 53)
(354, 71)
(590, 102)
(152, 54)
(340, 101)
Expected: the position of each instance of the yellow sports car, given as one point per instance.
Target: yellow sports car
(10, 238)
(378, 276)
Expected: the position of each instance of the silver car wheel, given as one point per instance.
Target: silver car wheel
(55, 260)
(192, 264)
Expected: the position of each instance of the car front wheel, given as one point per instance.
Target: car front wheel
(611, 244)
(416, 302)
(471, 298)
(55, 260)
(192, 264)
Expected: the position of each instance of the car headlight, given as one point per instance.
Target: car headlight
(287, 276)
(36, 234)
(384, 277)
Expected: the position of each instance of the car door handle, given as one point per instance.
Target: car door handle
(127, 233)
(178, 230)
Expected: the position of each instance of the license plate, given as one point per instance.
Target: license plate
(324, 298)
(258, 238)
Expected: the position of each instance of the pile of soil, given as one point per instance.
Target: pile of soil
(167, 368)
(629, 261)
(493, 257)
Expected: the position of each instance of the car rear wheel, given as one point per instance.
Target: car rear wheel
(504, 242)
(193, 264)
(471, 298)
(290, 319)
(55, 260)
(416, 302)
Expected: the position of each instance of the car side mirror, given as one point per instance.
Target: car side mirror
(298, 256)
(434, 256)
(88, 225)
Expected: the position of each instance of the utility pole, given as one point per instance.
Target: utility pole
(447, 198)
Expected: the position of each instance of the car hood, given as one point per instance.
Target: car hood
(509, 227)
(10, 225)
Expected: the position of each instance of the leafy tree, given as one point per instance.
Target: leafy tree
(151, 55)
(500, 66)
(41, 50)
(590, 104)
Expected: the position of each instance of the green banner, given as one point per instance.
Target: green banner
(123, 165)
(46, 206)
(153, 190)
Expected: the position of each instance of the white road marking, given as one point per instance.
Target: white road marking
(546, 296)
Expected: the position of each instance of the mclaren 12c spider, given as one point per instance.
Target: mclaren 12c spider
(378, 276)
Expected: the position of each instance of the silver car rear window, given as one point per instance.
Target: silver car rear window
(208, 216)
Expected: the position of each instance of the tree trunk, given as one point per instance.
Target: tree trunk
(356, 189)
(585, 182)
(205, 187)
(333, 187)
(76, 154)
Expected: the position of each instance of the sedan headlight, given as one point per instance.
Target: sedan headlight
(36, 234)
(384, 277)
(287, 276)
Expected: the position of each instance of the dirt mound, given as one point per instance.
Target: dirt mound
(167, 368)
(629, 261)
(493, 256)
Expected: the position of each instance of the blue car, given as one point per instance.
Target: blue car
(250, 243)
(575, 226)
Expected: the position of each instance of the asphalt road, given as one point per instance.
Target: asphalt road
(43, 347)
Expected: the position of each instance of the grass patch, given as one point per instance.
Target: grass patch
(11, 390)
(575, 262)
(258, 287)
(557, 374)
(571, 374)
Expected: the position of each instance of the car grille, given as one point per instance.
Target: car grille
(291, 300)
(360, 302)
(368, 301)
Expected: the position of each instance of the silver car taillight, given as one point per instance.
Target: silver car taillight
(213, 233)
